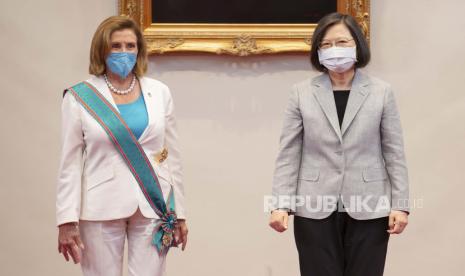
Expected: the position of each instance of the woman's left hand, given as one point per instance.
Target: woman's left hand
(398, 220)
(180, 233)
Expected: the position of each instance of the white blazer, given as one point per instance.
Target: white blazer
(94, 182)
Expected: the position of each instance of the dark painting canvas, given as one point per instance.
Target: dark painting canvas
(241, 11)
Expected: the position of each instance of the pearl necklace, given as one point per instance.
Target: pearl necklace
(118, 91)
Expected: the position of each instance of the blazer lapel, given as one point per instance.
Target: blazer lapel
(102, 87)
(152, 103)
(147, 93)
(325, 97)
(357, 96)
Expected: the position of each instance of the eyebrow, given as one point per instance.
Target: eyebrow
(118, 43)
(337, 39)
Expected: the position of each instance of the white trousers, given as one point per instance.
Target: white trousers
(104, 247)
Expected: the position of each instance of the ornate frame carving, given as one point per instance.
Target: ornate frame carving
(233, 39)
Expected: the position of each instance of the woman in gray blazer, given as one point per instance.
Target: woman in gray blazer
(341, 167)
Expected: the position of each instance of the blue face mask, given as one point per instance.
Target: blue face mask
(121, 63)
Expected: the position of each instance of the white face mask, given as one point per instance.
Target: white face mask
(338, 59)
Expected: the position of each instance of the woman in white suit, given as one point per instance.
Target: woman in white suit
(101, 201)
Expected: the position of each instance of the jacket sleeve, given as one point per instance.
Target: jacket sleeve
(68, 201)
(289, 156)
(174, 158)
(393, 153)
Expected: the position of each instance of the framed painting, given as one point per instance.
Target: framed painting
(237, 27)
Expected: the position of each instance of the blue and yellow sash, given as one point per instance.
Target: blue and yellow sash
(129, 148)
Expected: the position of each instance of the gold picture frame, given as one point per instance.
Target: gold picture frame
(233, 39)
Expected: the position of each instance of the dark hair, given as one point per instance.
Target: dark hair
(363, 51)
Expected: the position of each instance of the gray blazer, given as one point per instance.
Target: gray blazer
(361, 163)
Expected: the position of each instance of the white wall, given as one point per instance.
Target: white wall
(229, 114)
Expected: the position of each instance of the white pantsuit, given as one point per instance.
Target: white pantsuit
(97, 189)
(104, 240)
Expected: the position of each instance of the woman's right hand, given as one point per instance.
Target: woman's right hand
(278, 220)
(69, 241)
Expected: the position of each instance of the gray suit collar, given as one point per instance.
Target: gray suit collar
(325, 97)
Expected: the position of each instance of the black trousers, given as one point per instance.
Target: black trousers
(341, 246)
